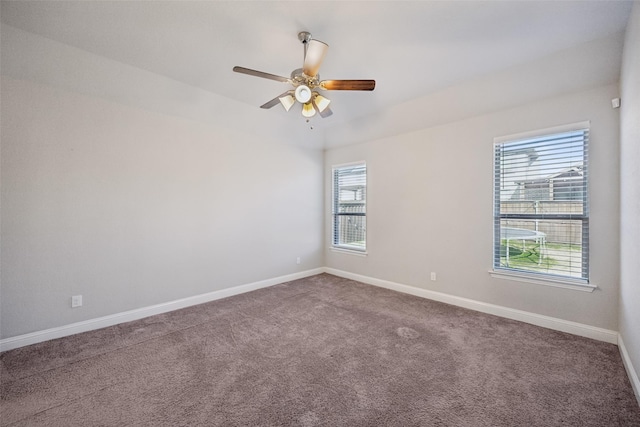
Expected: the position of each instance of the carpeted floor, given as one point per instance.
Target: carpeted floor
(321, 351)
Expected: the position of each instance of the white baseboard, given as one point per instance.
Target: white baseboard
(631, 372)
(128, 316)
(509, 313)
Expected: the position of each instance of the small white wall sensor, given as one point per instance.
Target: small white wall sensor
(615, 103)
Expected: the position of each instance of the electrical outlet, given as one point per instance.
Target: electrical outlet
(76, 301)
(433, 276)
(298, 260)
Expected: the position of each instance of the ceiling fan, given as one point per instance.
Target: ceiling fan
(306, 81)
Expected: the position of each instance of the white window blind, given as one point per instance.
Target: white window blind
(541, 205)
(350, 207)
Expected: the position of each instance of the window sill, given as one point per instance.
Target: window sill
(556, 283)
(348, 251)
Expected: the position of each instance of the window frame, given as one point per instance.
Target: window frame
(335, 232)
(564, 281)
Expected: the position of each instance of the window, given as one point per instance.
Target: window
(541, 205)
(350, 207)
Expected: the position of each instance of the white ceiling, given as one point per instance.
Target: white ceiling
(412, 49)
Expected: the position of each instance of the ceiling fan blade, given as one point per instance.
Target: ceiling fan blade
(260, 74)
(348, 84)
(275, 101)
(315, 52)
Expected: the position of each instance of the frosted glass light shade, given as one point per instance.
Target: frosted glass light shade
(303, 94)
(287, 102)
(321, 102)
(308, 110)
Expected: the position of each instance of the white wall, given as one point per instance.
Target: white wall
(630, 192)
(132, 206)
(430, 208)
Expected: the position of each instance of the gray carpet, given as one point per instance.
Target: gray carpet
(321, 351)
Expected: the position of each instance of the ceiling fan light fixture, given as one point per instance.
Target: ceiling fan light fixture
(303, 94)
(308, 111)
(321, 102)
(287, 101)
(305, 82)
